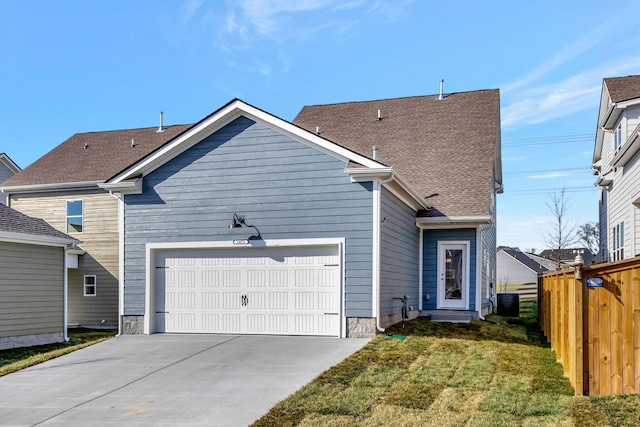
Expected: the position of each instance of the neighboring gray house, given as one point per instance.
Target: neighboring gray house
(567, 256)
(33, 281)
(617, 164)
(518, 271)
(247, 223)
(7, 169)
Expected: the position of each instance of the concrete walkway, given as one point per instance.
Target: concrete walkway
(168, 380)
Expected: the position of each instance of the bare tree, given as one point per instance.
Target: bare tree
(589, 234)
(562, 235)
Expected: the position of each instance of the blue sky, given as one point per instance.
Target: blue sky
(79, 66)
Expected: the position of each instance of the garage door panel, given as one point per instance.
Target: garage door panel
(293, 291)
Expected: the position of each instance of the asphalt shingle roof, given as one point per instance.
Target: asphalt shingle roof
(12, 221)
(623, 88)
(106, 154)
(526, 260)
(444, 149)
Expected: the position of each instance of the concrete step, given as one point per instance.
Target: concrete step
(451, 317)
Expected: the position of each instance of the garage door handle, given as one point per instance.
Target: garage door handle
(245, 300)
(332, 314)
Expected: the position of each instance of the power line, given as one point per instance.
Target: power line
(533, 191)
(547, 140)
(563, 171)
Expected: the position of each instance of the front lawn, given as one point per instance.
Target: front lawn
(14, 359)
(499, 372)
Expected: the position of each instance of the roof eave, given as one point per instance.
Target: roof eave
(6, 236)
(133, 186)
(6, 160)
(393, 182)
(39, 188)
(447, 221)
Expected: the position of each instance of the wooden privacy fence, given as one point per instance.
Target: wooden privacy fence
(595, 332)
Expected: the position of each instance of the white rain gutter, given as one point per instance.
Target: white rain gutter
(120, 258)
(377, 210)
(65, 293)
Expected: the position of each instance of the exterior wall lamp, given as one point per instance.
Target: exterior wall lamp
(578, 262)
(239, 221)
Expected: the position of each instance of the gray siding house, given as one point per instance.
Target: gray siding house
(33, 281)
(248, 223)
(7, 169)
(616, 161)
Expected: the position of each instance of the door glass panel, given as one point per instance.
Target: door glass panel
(453, 274)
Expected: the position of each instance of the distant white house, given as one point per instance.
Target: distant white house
(617, 165)
(518, 271)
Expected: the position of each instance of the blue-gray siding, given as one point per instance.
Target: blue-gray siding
(285, 188)
(430, 261)
(399, 254)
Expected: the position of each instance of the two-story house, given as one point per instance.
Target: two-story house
(63, 188)
(617, 165)
(342, 222)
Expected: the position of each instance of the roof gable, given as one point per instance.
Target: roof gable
(623, 88)
(448, 150)
(220, 118)
(8, 163)
(525, 260)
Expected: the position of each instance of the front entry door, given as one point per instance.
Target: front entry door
(453, 275)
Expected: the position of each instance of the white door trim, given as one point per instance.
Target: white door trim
(151, 248)
(457, 244)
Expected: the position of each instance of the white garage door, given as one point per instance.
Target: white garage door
(285, 291)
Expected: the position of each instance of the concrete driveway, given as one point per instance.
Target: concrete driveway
(164, 379)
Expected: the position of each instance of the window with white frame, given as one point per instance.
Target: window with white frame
(617, 138)
(617, 242)
(90, 286)
(74, 216)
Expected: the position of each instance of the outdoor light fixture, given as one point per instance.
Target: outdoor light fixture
(578, 263)
(237, 221)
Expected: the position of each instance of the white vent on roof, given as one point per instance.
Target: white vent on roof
(133, 142)
(441, 97)
(375, 152)
(161, 128)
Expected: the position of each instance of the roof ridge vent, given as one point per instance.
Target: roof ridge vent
(441, 97)
(161, 127)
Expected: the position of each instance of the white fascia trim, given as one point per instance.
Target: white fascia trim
(628, 150)
(32, 239)
(41, 188)
(453, 221)
(151, 248)
(123, 187)
(225, 116)
(10, 164)
(385, 175)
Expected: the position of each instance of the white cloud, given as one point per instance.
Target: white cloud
(573, 94)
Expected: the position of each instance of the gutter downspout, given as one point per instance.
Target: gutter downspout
(65, 294)
(377, 210)
(120, 259)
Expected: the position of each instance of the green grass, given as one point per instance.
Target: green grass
(15, 359)
(499, 372)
